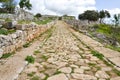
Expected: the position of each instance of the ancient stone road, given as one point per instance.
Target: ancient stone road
(63, 57)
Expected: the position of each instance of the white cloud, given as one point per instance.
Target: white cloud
(61, 7)
(114, 11)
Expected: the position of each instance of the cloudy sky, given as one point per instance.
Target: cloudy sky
(73, 7)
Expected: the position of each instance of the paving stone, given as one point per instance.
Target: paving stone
(58, 77)
(65, 70)
(83, 76)
(85, 67)
(102, 74)
(78, 70)
(50, 72)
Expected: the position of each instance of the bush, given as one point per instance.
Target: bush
(30, 59)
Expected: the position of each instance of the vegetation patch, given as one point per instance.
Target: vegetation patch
(24, 22)
(36, 52)
(6, 31)
(42, 21)
(26, 45)
(113, 47)
(7, 55)
(97, 54)
(35, 78)
(31, 74)
(30, 59)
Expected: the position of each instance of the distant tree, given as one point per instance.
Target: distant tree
(103, 14)
(38, 15)
(89, 15)
(4, 0)
(116, 19)
(81, 17)
(25, 4)
(9, 6)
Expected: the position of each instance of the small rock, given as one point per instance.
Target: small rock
(58, 77)
(66, 70)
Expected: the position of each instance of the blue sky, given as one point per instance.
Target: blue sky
(107, 4)
(73, 7)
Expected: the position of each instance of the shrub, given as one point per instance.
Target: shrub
(30, 59)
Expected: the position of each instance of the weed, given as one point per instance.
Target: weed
(97, 54)
(117, 72)
(30, 59)
(36, 52)
(31, 74)
(35, 78)
(92, 64)
(26, 45)
(44, 57)
(57, 72)
(7, 55)
(6, 32)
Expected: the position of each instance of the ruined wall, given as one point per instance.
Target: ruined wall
(20, 14)
(24, 33)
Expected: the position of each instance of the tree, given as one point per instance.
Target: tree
(9, 6)
(103, 14)
(4, 0)
(89, 15)
(25, 4)
(38, 15)
(116, 19)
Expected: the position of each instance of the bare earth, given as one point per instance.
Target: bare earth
(62, 57)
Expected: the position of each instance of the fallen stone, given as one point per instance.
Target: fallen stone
(116, 78)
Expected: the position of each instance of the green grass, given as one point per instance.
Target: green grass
(97, 54)
(30, 59)
(113, 48)
(26, 45)
(57, 72)
(35, 78)
(43, 21)
(92, 64)
(24, 22)
(7, 55)
(117, 72)
(6, 32)
(44, 57)
(36, 52)
(31, 74)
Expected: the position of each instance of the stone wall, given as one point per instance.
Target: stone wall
(20, 14)
(81, 24)
(24, 34)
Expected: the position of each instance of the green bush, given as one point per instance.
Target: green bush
(30, 59)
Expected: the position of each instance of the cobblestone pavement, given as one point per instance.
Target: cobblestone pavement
(64, 57)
